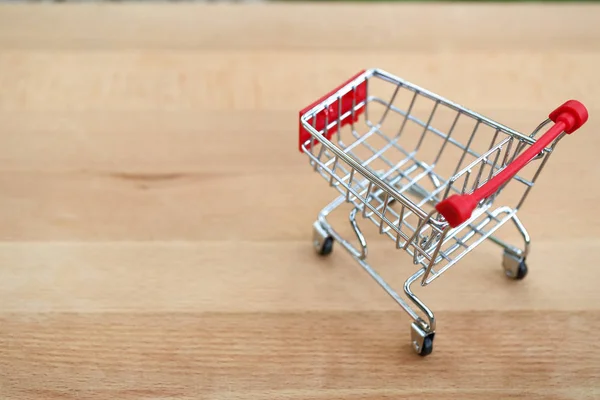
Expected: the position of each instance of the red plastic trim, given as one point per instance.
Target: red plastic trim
(572, 113)
(352, 97)
(569, 117)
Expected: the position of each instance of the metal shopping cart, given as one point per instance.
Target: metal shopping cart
(427, 173)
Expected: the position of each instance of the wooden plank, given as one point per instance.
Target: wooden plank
(190, 141)
(177, 142)
(278, 276)
(266, 80)
(309, 355)
(124, 205)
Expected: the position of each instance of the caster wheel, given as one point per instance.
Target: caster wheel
(521, 271)
(427, 347)
(422, 341)
(322, 242)
(514, 267)
(326, 247)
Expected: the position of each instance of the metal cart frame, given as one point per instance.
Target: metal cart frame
(385, 160)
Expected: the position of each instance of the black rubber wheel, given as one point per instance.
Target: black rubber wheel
(326, 247)
(427, 348)
(522, 271)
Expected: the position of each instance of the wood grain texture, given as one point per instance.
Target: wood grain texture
(155, 215)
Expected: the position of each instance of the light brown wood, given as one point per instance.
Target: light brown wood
(155, 215)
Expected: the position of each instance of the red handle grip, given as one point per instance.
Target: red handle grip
(567, 118)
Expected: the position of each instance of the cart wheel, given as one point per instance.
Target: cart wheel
(326, 247)
(427, 347)
(322, 241)
(422, 341)
(514, 267)
(521, 271)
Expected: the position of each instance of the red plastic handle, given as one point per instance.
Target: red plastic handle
(567, 118)
(331, 113)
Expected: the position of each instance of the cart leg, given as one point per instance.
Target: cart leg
(513, 262)
(514, 258)
(324, 235)
(361, 238)
(422, 331)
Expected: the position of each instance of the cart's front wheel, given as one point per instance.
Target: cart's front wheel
(326, 247)
(422, 341)
(322, 242)
(427, 347)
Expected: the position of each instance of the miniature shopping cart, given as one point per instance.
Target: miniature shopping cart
(428, 173)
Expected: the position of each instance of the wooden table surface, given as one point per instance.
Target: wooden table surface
(155, 214)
